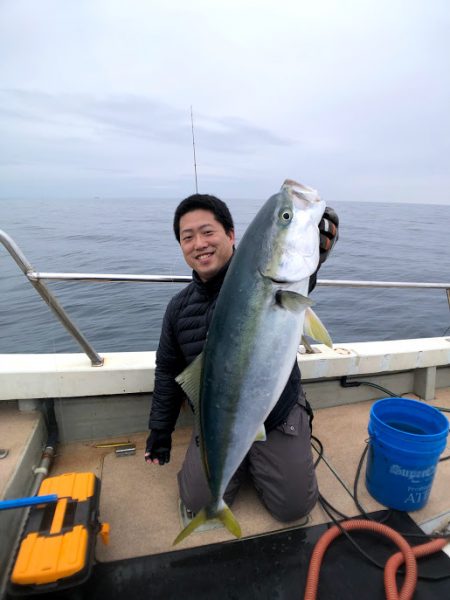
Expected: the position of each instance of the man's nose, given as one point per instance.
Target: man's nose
(200, 241)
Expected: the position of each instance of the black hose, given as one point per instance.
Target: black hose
(347, 384)
(51, 422)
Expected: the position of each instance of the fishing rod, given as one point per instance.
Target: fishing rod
(193, 146)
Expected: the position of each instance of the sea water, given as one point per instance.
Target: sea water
(378, 241)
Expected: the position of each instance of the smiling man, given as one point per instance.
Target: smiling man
(206, 245)
(281, 468)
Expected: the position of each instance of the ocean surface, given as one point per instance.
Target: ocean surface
(378, 241)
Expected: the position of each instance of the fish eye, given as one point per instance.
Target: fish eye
(285, 215)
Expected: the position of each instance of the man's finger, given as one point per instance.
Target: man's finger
(327, 227)
(325, 243)
(331, 215)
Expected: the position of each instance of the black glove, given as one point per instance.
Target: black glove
(329, 235)
(159, 444)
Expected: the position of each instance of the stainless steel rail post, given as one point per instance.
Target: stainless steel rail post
(44, 292)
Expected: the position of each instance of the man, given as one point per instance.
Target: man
(281, 468)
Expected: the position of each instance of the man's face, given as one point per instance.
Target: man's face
(205, 244)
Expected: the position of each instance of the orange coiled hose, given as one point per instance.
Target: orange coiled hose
(406, 554)
(396, 560)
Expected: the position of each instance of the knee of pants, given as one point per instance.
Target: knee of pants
(290, 507)
(194, 494)
(192, 484)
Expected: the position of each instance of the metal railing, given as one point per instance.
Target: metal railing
(36, 279)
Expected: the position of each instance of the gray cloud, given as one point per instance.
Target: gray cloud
(97, 94)
(135, 116)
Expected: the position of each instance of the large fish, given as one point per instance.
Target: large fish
(253, 338)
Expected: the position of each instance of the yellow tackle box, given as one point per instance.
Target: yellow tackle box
(57, 547)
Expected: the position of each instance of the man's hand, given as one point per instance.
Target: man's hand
(159, 444)
(329, 233)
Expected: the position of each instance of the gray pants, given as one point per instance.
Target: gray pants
(281, 469)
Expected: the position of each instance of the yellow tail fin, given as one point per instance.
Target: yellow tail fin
(224, 514)
(229, 520)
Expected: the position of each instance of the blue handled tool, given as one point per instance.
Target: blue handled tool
(30, 501)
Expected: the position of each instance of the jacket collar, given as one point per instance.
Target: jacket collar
(212, 286)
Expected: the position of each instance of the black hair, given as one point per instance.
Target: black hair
(203, 202)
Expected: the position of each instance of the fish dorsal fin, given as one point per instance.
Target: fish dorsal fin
(315, 329)
(292, 300)
(190, 381)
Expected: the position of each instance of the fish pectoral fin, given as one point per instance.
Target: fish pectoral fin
(190, 380)
(224, 515)
(314, 328)
(292, 300)
(261, 435)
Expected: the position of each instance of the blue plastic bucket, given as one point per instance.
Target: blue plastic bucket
(406, 439)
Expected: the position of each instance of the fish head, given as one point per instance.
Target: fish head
(292, 244)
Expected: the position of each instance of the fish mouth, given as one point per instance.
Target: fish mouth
(277, 281)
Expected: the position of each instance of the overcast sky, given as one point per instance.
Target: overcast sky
(349, 97)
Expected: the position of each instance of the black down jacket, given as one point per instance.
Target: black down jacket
(183, 336)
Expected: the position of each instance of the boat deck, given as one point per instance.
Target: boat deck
(140, 501)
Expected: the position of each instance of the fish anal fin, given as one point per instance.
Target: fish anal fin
(261, 435)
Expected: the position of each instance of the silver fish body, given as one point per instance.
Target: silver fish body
(255, 332)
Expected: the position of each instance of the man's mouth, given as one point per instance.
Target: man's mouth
(204, 256)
